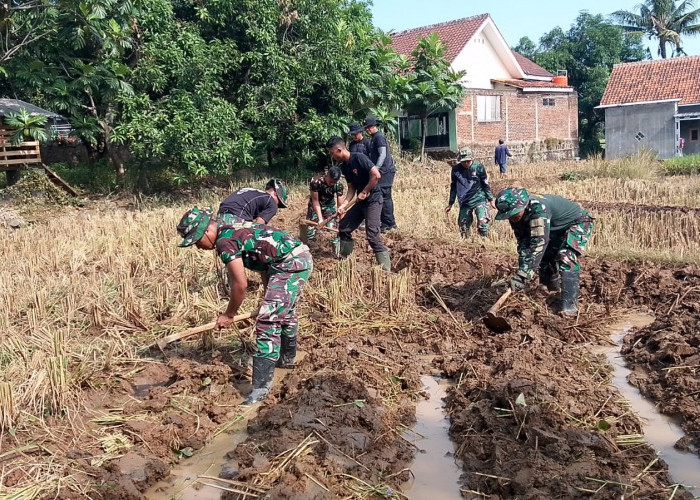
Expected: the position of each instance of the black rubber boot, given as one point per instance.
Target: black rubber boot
(569, 293)
(346, 248)
(263, 371)
(550, 278)
(288, 353)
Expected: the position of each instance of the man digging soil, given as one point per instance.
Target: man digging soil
(285, 264)
(552, 233)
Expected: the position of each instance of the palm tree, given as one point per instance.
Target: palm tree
(665, 20)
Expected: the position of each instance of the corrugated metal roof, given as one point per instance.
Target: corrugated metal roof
(14, 105)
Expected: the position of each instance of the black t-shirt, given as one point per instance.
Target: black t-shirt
(379, 141)
(249, 204)
(360, 146)
(356, 172)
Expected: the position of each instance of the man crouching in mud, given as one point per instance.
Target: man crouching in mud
(285, 264)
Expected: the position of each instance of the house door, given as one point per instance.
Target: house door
(438, 136)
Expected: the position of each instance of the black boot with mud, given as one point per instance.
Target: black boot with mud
(550, 278)
(263, 371)
(569, 293)
(288, 353)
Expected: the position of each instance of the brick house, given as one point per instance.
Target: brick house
(508, 96)
(653, 104)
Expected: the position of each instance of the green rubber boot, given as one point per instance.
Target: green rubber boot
(346, 248)
(569, 293)
(384, 260)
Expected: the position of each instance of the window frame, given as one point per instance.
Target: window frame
(481, 103)
(697, 135)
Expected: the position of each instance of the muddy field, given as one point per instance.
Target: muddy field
(532, 412)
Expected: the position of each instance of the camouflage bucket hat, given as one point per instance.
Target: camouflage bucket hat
(511, 201)
(465, 154)
(281, 191)
(193, 225)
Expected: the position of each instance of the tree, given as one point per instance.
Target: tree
(27, 126)
(432, 85)
(665, 20)
(588, 51)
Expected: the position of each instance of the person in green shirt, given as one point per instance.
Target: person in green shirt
(552, 233)
(285, 264)
(469, 184)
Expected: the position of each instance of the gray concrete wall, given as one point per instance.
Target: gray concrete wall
(623, 125)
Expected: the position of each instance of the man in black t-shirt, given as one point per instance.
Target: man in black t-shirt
(254, 205)
(359, 143)
(380, 156)
(362, 178)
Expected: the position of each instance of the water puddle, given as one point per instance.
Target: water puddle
(660, 431)
(184, 482)
(435, 473)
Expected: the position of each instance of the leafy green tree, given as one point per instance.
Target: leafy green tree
(27, 126)
(664, 20)
(588, 51)
(432, 85)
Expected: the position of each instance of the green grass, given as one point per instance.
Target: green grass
(682, 165)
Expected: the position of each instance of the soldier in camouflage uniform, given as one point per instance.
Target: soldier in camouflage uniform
(470, 186)
(285, 264)
(552, 232)
(324, 188)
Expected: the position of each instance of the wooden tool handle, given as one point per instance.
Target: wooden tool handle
(500, 301)
(316, 224)
(199, 329)
(326, 221)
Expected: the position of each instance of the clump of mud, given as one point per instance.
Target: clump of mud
(35, 187)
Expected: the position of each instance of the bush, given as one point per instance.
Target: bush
(682, 165)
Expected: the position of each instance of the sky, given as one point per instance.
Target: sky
(514, 18)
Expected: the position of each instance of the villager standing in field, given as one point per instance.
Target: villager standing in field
(381, 157)
(362, 177)
(469, 184)
(254, 205)
(359, 143)
(500, 156)
(552, 233)
(285, 264)
(324, 189)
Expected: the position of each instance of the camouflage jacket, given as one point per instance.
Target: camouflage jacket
(259, 246)
(326, 193)
(470, 186)
(543, 215)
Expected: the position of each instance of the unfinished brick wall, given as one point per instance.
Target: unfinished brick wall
(528, 126)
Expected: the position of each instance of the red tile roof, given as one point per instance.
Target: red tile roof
(529, 67)
(454, 34)
(675, 78)
(521, 84)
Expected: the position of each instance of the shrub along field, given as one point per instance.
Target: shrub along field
(90, 408)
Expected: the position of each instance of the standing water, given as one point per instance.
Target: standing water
(660, 432)
(435, 474)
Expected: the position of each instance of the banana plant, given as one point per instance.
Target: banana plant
(28, 127)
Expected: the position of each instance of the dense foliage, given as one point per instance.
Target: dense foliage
(588, 51)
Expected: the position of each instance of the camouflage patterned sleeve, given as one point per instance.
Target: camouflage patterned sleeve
(484, 180)
(340, 189)
(314, 185)
(533, 237)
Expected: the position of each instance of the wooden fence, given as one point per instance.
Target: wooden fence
(14, 157)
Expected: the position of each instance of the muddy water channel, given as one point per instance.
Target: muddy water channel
(434, 472)
(660, 431)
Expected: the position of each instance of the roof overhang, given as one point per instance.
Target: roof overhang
(636, 103)
(561, 90)
(14, 105)
(528, 76)
(687, 116)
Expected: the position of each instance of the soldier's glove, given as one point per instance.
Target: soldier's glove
(517, 282)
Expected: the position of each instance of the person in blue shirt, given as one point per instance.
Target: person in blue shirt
(500, 156)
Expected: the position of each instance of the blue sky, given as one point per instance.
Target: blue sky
(515, 19)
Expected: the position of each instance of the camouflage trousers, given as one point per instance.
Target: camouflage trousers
(566, 246)
(326, 211)
(466, 219)
(278, 311)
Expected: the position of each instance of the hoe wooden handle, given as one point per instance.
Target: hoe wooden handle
(500, 301)
(312, 223)
(326, 221)
(199, 329)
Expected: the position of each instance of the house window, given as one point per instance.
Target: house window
(548, 101)
(693, 135)
(488, 108)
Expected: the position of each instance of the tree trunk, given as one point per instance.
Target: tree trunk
(424, 133)
(112, 153)
(269, 159)
(662, 48)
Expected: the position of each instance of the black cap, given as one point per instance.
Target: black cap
(371, 121)
(356, 128)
